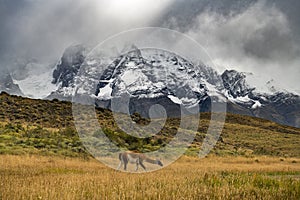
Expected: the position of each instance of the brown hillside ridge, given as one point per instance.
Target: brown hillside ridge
(242, 135)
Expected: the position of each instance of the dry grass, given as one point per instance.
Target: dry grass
(37, 177)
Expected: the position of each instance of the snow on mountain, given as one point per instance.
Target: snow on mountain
(106, 91)
(175, 99)
(152, 73)
(36, 81)
(152, 76)
(257, 104)
(8, 85)
(66, 71)
(69, 65)
(251, 90)
(264, 84)
(213, 91)
(149, 73)
(27, 77)
(235, 83)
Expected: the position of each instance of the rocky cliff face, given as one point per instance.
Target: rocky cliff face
(66, 70)
(69, 65)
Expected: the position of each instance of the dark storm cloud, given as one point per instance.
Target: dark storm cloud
(184, 16)
(43, 29)
(8, 9)
(184, 13)
(255, 36)
(291, 9)
(269, 42)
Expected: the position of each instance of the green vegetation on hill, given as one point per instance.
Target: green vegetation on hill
(16, 139)
(47, 128)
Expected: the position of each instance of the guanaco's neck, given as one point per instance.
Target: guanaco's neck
(149, 160)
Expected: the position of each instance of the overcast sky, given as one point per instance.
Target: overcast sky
(254, 36)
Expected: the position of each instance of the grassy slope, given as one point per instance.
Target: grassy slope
(46, 127)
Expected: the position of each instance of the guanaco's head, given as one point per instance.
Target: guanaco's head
(159, 163)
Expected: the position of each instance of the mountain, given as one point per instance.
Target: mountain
(34, 79)
(268, 102)
(66, 70)
(151, 76)
(8, 85)
(148, 77)
(27, 77)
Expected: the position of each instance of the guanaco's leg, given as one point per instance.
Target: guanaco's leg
(143, 166)
(120, 165)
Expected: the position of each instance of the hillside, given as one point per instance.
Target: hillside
(46, 127)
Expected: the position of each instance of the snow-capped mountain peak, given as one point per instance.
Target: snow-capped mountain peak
(152, 73)
(151, 76)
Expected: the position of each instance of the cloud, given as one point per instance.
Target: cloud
(259, 39)
(43, 29)
(250, 35)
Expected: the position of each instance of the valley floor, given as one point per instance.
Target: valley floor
(46, 177)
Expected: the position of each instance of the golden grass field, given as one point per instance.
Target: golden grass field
(38, 177)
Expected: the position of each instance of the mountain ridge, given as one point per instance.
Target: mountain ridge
(139, 73)
(51, 125)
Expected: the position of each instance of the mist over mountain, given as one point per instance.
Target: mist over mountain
(7, 84)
